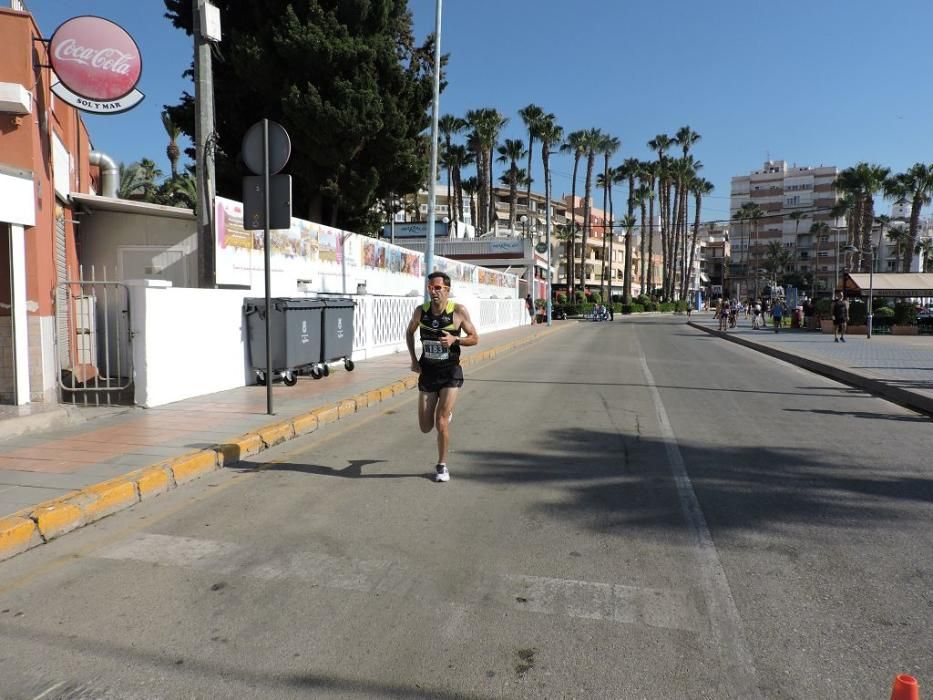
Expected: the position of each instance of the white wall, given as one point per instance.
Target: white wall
(191, 342)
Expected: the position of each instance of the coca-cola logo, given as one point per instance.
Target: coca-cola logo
(95, 58)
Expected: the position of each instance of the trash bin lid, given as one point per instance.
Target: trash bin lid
(338, 302)
(283, 303)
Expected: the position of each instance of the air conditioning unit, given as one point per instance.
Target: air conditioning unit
(15, 99)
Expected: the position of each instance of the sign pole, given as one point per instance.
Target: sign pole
(267, 254)
(435, 106)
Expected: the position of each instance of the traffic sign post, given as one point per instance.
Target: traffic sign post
(267, 203)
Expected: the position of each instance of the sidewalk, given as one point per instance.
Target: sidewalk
(896, 367)
(54, 481)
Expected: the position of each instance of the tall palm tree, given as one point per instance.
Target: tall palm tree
(818, 229)
(486, 124)
(642, 193)
(533, 117)
(172, 151)
(628, 223)
(686, 138)
(608, 145)
(510, 152)
(650, 178)
(550, 134)
(150, 173)
(576, 145)
(457, 156)
(924, 249)
(660, 144)
(700, 188)
(918, 186)
(593, 142)
(449, 125)
(861, 182)
(470, 186)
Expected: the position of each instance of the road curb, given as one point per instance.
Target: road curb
(36, 525)
(877, 387)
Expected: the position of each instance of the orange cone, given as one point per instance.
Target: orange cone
(905, 688)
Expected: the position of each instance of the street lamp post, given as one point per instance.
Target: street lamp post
(435, 107)
(531, 268)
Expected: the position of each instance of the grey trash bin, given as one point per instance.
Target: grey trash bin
(337, 332)
(295, 328)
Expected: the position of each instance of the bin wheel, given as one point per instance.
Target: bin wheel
(349, 365)
(290, 378)
(325, 370)
(316, 372)
(260, 379)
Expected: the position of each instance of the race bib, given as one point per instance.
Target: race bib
(433, 350)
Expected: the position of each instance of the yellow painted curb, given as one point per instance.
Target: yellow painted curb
(17, 534)
(326, 414)
(411, 382)
(345, 408)
(277, 433)
(386, 393)
(55, 518)
(194, 465)
(362, 401)
(398, 388)
(304, 424)
(152, 481)
(102, 499)
(239, 448)
(373, 397)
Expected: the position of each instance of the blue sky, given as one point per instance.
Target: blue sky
(821, 82)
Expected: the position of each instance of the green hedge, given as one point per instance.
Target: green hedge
(905, 314)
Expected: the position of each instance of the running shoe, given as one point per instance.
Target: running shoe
(441, 473)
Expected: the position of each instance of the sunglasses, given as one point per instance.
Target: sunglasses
(436, 287)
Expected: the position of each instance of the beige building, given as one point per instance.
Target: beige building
(781, 190)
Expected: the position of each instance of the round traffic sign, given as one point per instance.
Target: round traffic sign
(280, 148)
(541, 248)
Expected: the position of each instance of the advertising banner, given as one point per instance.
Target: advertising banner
(329, 260)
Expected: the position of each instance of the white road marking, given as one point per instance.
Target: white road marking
(726, 626)
(49, 690)
(608, 602)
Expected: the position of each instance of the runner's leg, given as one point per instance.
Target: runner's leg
(427, 402)
(445, 406)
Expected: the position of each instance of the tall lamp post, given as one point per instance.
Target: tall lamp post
(871, 281)
(531, 268)
(435, 107)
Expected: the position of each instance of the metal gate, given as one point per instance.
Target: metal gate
(94, 354)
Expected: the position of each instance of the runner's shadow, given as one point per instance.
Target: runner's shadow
(354, 470)
(860, 414)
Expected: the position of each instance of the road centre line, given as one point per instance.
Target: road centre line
(726, 626)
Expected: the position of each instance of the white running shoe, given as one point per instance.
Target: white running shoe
(441, 473)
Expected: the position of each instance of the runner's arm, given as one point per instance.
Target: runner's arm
(471, 337)
(410, 338)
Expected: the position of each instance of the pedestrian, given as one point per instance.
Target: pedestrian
(441, 323)
(840, 319)
(611, 310)
(777, 314)
(529, 305)
(723, 314)
(757, 316)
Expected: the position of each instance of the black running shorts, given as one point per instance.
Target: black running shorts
(433, 380)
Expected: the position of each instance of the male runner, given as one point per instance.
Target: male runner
(440, 322)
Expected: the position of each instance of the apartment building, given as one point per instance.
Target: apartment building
(795, 201)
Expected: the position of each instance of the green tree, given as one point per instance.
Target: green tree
(917, 188)
(628, 223)
(608, 145)
(593, 139)
(345, 79)
(132, 181)
(510, 152)
(448, 125)
(576, 146)
(533, 117)
(172, 151)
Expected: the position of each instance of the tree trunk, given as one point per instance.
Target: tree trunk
(587, 214)
(908, 255)
(650, 291)
(491, 202)
(571, 241)
(696, 228)
(641, 278)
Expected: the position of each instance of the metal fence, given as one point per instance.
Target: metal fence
(94, 354)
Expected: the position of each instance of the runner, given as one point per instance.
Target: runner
(440, 322)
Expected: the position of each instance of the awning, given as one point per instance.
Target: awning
(889, 284)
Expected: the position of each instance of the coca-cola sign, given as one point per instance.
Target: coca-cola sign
(97, 65)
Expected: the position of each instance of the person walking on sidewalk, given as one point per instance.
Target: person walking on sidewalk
(440, 322)
(777, 314)
(840, 318)
(723, 314)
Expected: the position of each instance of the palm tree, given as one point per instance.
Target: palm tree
(924, 249)
(642, 193)
(470, 187)
(550, 134)
(777, 257)
(576, 145)
(862, 181)
(700, 188)
(593, 140)
(918, 189)
(533, 117)
(172, 151)
(900, 238)
(486, 124)
(448, 125)
(608, 145)
(132, 181)
(660, 144)
(628, 223)
(650, 177)
(818, 229)
(150, 173)
(457, 157)
(685, 138)
(510, 152)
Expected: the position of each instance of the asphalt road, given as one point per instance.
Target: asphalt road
(636, 510)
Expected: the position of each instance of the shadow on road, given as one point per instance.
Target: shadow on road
(868, 415)
(354, 470)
